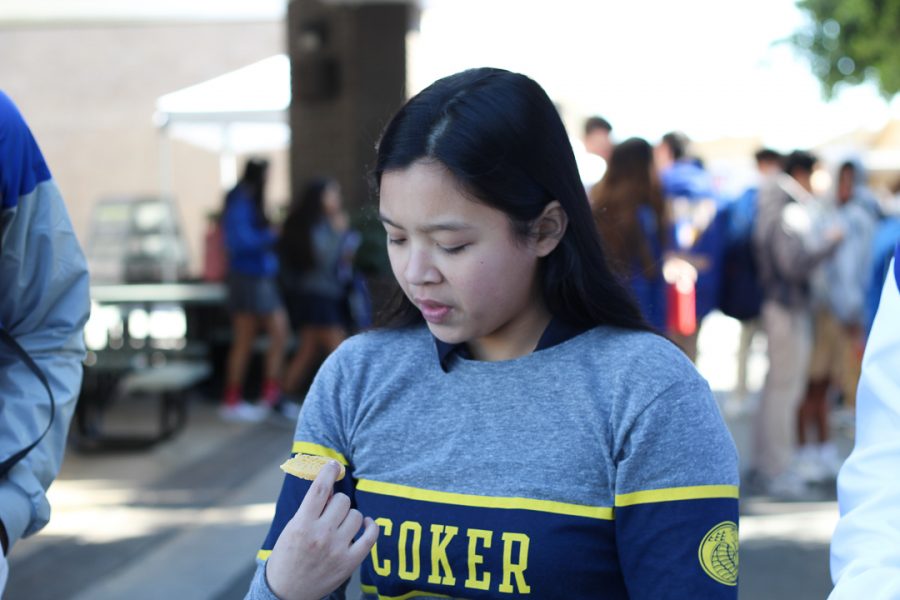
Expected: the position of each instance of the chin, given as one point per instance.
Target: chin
(447, 334)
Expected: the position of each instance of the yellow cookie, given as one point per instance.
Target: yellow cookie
(307, 466)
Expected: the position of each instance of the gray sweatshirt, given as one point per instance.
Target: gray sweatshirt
(788, 241)
(598, 467)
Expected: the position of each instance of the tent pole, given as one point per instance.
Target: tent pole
(169, 269)
(227, 160)
(165, 162)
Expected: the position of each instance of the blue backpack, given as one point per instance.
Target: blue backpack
(740, 292)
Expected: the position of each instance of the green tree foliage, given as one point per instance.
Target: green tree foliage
(852, 41)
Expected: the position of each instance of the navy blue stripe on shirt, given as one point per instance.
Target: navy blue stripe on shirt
(557, 332)
(462, 546)
(679, 549)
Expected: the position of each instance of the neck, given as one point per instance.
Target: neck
(516, 338)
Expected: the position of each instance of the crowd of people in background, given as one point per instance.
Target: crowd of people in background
(299, 278)
(802, 266)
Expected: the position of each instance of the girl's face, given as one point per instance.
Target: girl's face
(331, 199)
(458, 261)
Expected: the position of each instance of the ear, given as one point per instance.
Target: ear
(548, 229)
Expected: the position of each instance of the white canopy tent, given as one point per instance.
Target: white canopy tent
(240, 112)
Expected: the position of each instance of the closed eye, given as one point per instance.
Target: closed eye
(453, 249)
(396, 241)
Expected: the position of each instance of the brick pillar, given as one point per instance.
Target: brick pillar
(348, 76)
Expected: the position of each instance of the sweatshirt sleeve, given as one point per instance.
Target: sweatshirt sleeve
(864, 547)
(676, 502)
(242, 235)
(44, 304)
(320, 431)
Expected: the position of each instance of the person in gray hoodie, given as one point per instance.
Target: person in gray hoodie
(789, 242)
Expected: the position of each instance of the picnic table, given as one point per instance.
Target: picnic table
(147, 340)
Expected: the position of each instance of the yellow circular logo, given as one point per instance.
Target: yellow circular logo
(718, 553)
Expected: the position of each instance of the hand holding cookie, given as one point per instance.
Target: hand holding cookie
(316, 551)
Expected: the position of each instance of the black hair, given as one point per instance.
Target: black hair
(295, 244)
(768, 154)
(678, 143)
(253, 182)
(629, 184)
(799, 160)
(503, 141)
(597, 122)
(848, 165)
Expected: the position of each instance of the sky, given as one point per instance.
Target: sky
(712, 69)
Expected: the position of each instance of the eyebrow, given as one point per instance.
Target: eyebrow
(441, 226)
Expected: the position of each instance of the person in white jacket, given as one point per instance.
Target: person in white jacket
(865, 548)
(44, 304)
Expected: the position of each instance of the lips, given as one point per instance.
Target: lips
(433, 312)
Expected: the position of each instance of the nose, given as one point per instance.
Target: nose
(420, 269)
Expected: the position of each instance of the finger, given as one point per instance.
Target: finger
(336, 510)
(359, 549)
(319, 492)
(351, 526)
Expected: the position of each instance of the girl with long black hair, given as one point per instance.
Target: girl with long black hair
(516, 428)
(316, 250)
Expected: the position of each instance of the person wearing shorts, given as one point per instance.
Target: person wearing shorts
(316, 252)
(253, 297)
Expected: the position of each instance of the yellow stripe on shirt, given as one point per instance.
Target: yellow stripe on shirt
(697, 492)
(263, 554)
(317, 450)
(550, 506)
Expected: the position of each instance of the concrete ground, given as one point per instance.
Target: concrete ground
(184, 519)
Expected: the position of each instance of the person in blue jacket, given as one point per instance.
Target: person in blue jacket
(865, 544)
(44, 304)
(253, 296)
(699, 226)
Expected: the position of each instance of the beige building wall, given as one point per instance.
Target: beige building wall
(89, 92)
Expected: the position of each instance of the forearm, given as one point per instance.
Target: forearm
(15, 514)
(260, 590)
(25, 509)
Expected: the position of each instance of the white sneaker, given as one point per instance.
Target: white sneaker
(287, 409)
(829, 459)
(787, 486)
(807, 466)
(734, 406)
(243, 412)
